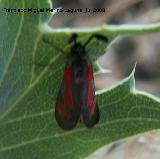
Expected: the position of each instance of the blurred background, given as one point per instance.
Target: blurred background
(121, 58)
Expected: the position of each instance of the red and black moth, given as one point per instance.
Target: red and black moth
(76, 99)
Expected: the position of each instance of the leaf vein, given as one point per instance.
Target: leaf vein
(15, 45)
(34, 140)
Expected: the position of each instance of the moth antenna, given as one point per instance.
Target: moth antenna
(97, 36)
(73, 38)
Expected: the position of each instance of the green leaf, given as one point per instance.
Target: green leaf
(28, 92)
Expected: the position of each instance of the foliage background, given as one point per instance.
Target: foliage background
(27, 126)
(121, 58)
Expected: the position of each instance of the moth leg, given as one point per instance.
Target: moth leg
(53, 46)
(41, 64)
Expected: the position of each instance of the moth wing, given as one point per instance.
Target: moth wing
(90, 111)
(66, 112)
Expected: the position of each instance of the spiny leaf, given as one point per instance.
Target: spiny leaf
(28, 90)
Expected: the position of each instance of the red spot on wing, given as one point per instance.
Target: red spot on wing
(68, 84)
(62, 111)
(93, 108)
(90, 79)
(79, 104)
(91, 102)
(90, 95)
(68, 75)
(89, 73)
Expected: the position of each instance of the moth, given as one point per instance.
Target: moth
(76, 99)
